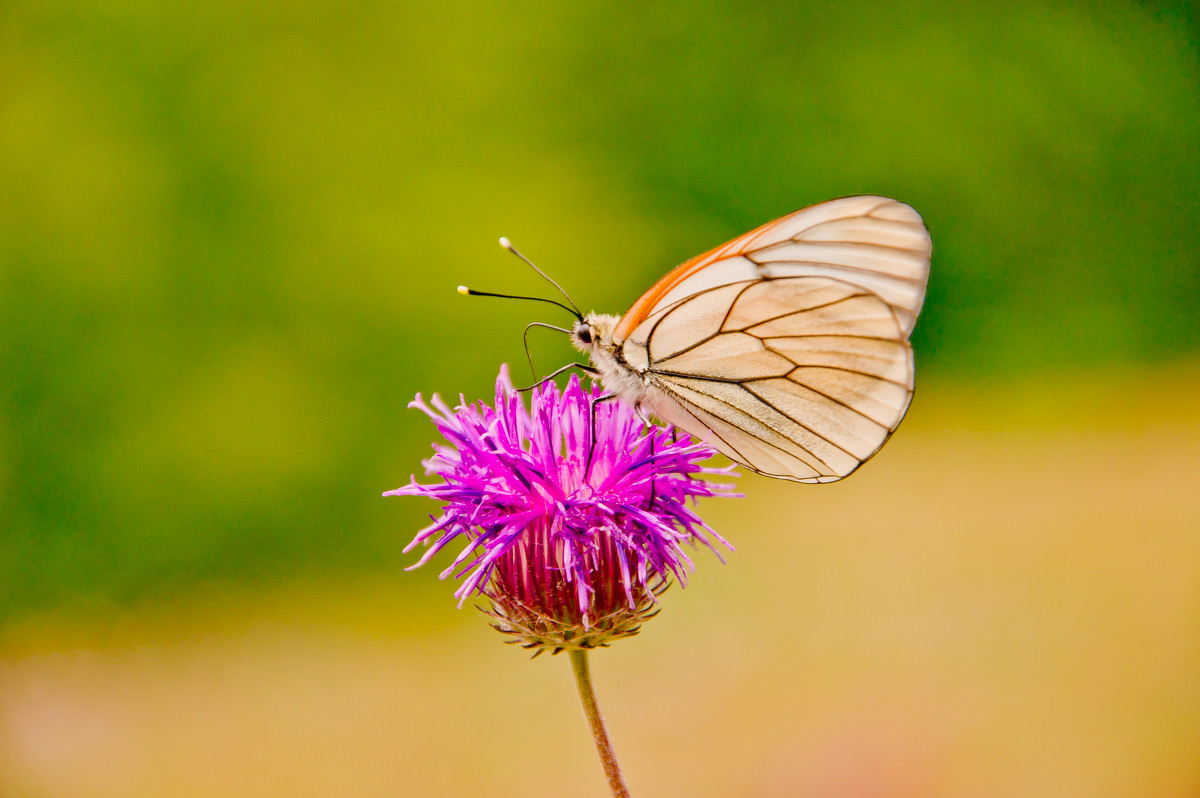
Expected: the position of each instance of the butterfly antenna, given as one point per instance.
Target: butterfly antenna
(504, 242)
(462, 289)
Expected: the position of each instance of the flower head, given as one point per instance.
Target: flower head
(570, 538)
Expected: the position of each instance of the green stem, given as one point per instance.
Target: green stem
(583, 680)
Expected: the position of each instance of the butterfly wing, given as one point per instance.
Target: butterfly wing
(874, 242)
(787, 351)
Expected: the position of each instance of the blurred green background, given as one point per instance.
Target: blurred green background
(230, 234)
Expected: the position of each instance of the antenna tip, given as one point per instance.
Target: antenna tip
(462, 289)
(504, 242)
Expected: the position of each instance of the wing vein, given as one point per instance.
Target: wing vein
(857, 244)
(757, 322)
(674, 306)
(684, 404)
(763, 440)
(749, 387)
(843, 266)
(891, 428)
(826, 335)
(811, 227)
(848, 371)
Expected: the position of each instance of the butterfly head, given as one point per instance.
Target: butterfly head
(593, 335)
(593, 332)
(583, 335)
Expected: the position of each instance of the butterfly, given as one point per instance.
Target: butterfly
(786, 349)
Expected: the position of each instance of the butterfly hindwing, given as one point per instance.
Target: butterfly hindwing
(801, 378)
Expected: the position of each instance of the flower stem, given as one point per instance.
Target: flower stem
(583, 680)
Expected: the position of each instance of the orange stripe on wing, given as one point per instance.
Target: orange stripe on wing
(647, 302)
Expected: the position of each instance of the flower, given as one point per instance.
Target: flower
(570, 539)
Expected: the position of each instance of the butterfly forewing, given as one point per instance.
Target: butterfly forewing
(873, 242)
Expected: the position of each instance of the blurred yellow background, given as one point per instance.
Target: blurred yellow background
(229, 239)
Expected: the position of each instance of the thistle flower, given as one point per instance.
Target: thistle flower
(570, 539)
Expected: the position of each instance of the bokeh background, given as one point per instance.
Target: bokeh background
(230, 234)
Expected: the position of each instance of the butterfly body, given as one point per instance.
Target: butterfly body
(623, 368)
(593, 336)
(787, 348)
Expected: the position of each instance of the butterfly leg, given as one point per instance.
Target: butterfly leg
(587, 469)
(648, 429)
(528, 327)
(586, 369)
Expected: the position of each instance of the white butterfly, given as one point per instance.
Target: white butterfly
(787, 348)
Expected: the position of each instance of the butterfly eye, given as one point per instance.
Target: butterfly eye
(584, 333)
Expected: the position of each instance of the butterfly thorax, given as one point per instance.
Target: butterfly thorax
(594, 337)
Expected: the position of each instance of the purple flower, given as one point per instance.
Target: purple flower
(570, 546)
